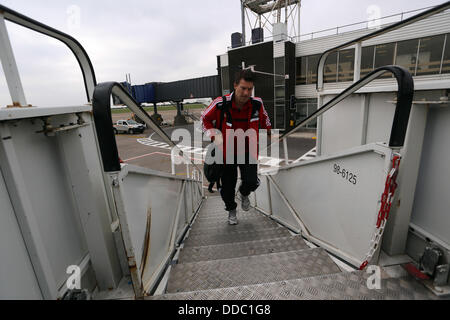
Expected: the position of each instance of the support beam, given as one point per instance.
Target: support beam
(10, 67)
(243, 22)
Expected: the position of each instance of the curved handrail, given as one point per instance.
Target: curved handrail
(405, 94)
(417, 17)
(77, 49)
(101, 106)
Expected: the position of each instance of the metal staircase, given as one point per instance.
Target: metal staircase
(260, 259)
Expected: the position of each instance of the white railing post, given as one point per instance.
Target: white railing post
(357, 68)
(10, 67)
(286, 158)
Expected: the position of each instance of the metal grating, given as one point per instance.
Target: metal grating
(250, 270)
(241, 249)
(340, 286)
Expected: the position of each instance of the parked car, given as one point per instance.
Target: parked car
(128, 126)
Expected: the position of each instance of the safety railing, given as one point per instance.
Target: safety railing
(358, 25)
(101, 105)
(405, 94)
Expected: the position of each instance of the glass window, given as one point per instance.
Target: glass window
(279, 115)
(279, 94)
(407, 54)
(430, 54)
(311, 74)
(279, 69)
(302, 110)
(384, 55)
(366, 60)
(446, 61)
(346, 65)
(305, 107)
(330, 68)
(301, 70)
(312, 107)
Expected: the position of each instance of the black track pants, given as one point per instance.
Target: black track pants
(249, 183)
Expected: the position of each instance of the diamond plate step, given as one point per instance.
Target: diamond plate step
(224, 215)
(196, 240)
(241, 249)
(222, 226)
(220, 210)
(342, 286)
(250, 270)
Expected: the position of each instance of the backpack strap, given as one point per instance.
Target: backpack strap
(256, 106)
(224, 108)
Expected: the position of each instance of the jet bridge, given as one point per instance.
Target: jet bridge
(315, 227)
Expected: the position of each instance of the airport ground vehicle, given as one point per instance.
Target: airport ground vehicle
(128, 126)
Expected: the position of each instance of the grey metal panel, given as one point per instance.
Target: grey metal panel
(431, 205)
(342, 126)
(280, 209)
(250, 270)
(17, 278)
(50, 195)
(338, 125)
(142, 192)
(262, 195)
(351, 207)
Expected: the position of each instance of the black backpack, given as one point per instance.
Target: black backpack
(213, 171)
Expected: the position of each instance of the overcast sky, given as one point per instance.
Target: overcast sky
(152, 40)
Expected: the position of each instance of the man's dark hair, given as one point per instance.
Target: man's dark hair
(245, 74)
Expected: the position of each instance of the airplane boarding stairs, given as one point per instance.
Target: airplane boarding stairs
(261, 259)
(116, 221)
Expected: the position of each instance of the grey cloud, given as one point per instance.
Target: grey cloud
(152, 40)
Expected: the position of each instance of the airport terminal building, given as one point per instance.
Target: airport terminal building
(288, 67)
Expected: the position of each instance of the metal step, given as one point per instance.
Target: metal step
(338, 286)
(220, 210)
(242, 249)
(211, 216)
(221, 225)
(196, 240)
(250, 270)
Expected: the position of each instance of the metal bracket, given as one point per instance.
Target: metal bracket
(49, 130)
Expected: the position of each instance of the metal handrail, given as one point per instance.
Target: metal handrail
(415, 18)
(101, 106)
(77, 49)
(405, 94)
